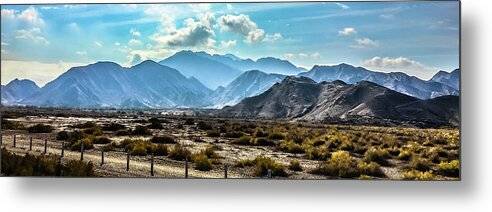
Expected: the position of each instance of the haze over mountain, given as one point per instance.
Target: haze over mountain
(302, 98)
(250, 83)
(107, 84)
(397, 81)
(218, 70)
(17, 90)
(451, 79)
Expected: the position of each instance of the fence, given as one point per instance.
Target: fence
(128, 156)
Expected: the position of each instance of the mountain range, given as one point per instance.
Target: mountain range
(200, 80)
(301, 98)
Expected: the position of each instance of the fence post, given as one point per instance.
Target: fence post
(81, 150)
(30, 143)
(186, 168)
(45, 145)
(269, 173)
(225, 171)
(63, 149)
(102, 157)
(127, 161)
(15, 137)
(60, 166)
(152, 165)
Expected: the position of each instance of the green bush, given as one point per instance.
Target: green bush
(155, 123)
(418, 175)
(85, 125)
(290, 147)
(295, 165)
(12, 125)
(260, 133)
(202, 162)
(263, 164)
(96, 131)
(377, 155)
(263, 142)
(160, 150)
(405, 155)
(244, 163)
(420, 164)
(40, 128)
(101, 140)
(243, 140)
(234, 134)
(450, 169)
(341, 164)
(204, 125)
(189, 122)
(317, 153)
(164, 139)
(213, 133)
(370, 169)
(75, 146)
(141, 130)
(276, 136)
(113, 127)
(62, 136)
(43, 165)
(179, 152)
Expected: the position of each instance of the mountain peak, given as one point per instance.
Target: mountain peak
(296, 79)
(147, 63)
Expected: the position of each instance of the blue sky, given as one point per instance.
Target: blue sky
(419, 38)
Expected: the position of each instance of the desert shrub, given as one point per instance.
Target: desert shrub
(123, 132)
(113, 127)
(244, 163)
(295, 165)
(318, 142)
(43, 165)
(263, 142)
(202, 162)
(109, 147)
(204, 126)
(370, 169)
(75, 146)
(233, 134)
(263, 164)
(93, 131)
(418, 175)
(376, 155)
(420, 164)
(341, 164)
(317, 153)
(210, 151)
(40, 128)
(160, 150)
(198, 140)
(243, 140)
(405, 155)
(139, 149)
(178, 152)
(276, 136)
(141, 130)
(261, 133)
(62, 135)
(290, 147)
(213, 133)
(189, 122)
(12, 125)
(101, 140)
(155, 123)
(85, 125)
(164, 139)
(451, 169)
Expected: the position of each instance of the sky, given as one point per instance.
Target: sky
(40, 42)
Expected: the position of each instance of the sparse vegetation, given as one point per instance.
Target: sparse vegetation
(295, 166)
(451, 169)
(179, 152)
(418, 175)
(163, 139)
(40, 128)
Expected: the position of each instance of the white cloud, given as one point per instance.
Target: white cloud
(228, 44)
(347, 31)
(39, 72)
(33, 35)
(242, 25)
(136, 59)
(81, 53)
(343, 6)
(200, 7)
(73, 27)
(365, 43)
(117, 43)
(273, 37)
(290, 56)
(387, 16)
(400, 64)
(28, 17)
(98, 43)
(134, 32)
(193, 33)
(229, 6)
(134, 43)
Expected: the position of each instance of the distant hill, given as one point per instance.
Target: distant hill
(301, 98)
(250, 83)
(397, 81)
(451, 79)
(107, 84)
(17, 90)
